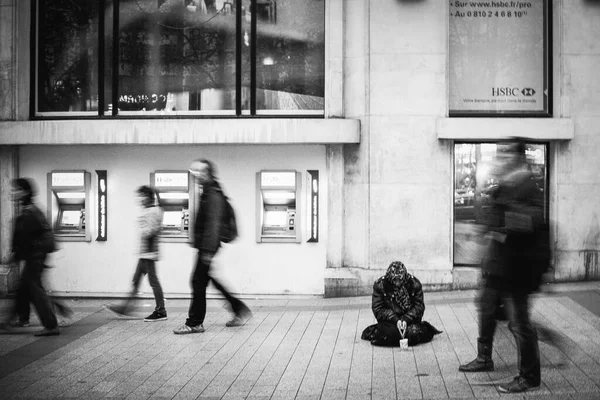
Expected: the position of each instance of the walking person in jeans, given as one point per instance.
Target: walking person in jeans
(207, 241)
(28, 246)
(512, 269)
(149, 224)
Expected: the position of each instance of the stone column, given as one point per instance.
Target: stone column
(7, 59)
(8, 171)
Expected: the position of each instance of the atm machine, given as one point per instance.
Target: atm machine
(69, 204)
(278, 209)
(175, 195)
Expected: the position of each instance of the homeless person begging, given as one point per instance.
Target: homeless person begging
(398, 307)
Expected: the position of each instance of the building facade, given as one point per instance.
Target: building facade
(362, 131)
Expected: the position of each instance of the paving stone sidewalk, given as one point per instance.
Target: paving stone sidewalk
(298, 348)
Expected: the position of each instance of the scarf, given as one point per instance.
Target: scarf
(400, 296)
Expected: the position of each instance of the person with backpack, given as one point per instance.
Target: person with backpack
(149, 223)
(212, 226)
(31, 242)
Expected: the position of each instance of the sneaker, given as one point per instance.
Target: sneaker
(236, 321)
(19, 324)
(156, 316)
(118, 311)
(47, 332)
(64, 322)
(185, 329)
(518, 385)
(241, 317)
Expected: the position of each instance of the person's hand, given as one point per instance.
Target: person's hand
(206, 258)
(401, 324)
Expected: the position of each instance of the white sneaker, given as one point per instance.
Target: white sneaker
(186, 329)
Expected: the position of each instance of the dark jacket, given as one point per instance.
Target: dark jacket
(384, 309)
(517, 263)
(27, 232)
(207, 226)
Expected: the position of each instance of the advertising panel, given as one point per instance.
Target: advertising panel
(498, 57)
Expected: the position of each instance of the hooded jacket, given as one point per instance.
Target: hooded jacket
(384, 308)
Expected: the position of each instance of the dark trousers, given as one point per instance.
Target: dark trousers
(145, 266)
(31, 290)
(517, 312)
(200, 279)
(24, 309)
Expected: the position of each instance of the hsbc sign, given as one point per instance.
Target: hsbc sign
(512, 91)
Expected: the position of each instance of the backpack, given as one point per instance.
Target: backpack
(228, 231)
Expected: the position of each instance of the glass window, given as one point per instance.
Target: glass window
(181, 57)
(176, 57)
(290, 55)
(476, 170)
(499, 58)
(67, 56)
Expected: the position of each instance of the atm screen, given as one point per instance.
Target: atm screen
(172, 219)
(275, 218)
(70, 219)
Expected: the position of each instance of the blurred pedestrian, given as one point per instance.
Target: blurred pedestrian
(398, 305)
(512, 268)
(207, 227)
(31, 242)
(149, 223)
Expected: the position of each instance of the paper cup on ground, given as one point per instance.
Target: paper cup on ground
(403, 344)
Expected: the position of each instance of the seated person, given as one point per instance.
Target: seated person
(398, 306)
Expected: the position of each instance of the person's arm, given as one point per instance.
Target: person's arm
(30, 228)
(212, 225)
(380, 309)
(15, 253)
(146, 223)
(415, 314)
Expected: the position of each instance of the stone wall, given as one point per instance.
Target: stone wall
(577, 208)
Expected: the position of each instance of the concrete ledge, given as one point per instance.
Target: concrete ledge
(505, 128)
(352, 282)
(181, 131)
(466, 278)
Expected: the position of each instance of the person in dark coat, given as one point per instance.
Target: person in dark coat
(517, 255)
(207, 241)
(398, 306)
(27, 247)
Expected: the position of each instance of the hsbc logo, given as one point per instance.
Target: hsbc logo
(508, 91)
(528, 92)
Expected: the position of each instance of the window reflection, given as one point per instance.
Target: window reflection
(290, 54)
(67, 58)
(476, 171)
(178, 57)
